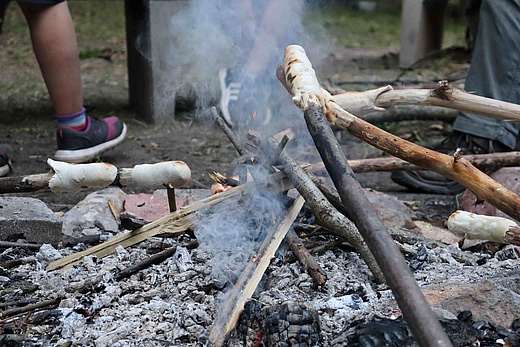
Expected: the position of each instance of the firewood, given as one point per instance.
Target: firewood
(411, 112)
(325, 213)
(302, 83)
(246, 284)
(65, 177)
(319, 276)
(18, 310)
(487, 162)
(174, 222)
(444, 96)
(154, 259)
(480, 227)
(147, 262)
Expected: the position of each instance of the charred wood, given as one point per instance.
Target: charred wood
(319, 276)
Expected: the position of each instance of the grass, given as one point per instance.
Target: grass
(356, 28)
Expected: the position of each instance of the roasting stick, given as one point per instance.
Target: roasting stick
(246, 284)
(66, 177)
(306, 92)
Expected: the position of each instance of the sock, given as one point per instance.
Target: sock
(76, 121)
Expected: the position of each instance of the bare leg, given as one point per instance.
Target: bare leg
(55, 46)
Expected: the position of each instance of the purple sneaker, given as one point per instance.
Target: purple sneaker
(81, 146)
(5, 164)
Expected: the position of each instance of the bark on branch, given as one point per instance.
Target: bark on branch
(443, 96)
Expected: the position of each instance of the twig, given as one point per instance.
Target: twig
(319, 276)
(227, 130)
(18, 310)
(149, 261)
(7, 244)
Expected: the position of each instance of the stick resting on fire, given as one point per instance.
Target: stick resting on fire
(301, 82)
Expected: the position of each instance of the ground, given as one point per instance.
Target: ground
(27, 131)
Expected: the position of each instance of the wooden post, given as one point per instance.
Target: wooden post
(147, 28)
(421, 29)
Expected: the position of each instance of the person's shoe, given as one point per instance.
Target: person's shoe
(432, 182)
(5, 164)
(243, 101)
(98, 136)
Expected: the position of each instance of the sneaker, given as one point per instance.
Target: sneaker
(81, 146)
(5, 164)
(243, 101)
(432, 182)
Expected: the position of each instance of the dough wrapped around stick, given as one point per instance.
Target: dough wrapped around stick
(480, 227)
(75, 177)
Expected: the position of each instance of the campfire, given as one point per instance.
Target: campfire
(277, 256)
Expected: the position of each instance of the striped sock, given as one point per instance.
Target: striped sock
(76, 121)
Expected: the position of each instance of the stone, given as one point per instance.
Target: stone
(487, 300)
(30, 219)
(508, 177)
(94, 212)
(390, 210)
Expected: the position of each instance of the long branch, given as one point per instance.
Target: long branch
(444, 96)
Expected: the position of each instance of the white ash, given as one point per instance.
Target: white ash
(176, 301)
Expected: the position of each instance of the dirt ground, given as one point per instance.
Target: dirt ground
(27, 129)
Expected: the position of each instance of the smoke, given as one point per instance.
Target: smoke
(245, 37)
(233, 230)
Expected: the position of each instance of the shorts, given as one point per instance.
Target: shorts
(42, 2)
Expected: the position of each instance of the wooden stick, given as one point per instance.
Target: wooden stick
(444, 96)
(157, 258)
(319, 276)
(246, 284)
(416, 310)
(7, 244)
(490, 161)
(175, 222)
(43, 304)
(454, 167)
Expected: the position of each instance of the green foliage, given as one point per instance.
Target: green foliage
(89, 52)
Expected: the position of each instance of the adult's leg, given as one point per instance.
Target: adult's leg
(55, 46)
(495, 70)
